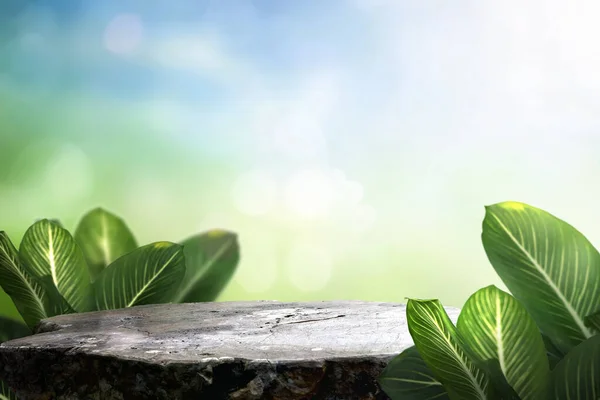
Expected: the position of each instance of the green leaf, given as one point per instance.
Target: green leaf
(550, 267)
(103, 237)
(443, 350)
(499, 387)
(55, 304)
(6, 393)
(53, 220)
(593, 321)
(407, 377)
(11, 329)
(49, 250)
(35, 299)
(497, 327)
(552, 352)
(148, 275)
(577, 376)
(26, 293)
(211, 259)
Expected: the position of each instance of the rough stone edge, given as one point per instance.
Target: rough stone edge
(227, 379)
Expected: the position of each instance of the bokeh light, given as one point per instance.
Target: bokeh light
(255, 193)
(69, 176)
(309, 193)
(309, 266)
(351, 145)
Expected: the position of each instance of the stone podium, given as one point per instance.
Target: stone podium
(330, 350)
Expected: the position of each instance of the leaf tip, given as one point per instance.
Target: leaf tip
(162, 245)
(513, 205)
(217, 233)
(490, 287)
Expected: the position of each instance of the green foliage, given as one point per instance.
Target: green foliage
(211, 259)
(593, 321)
(538, 342)
(12, 329)
(102, 267)
(497, 327)
(552, 352)
(407, 377)
(6, 393)
(577, 375)
(547, 265)
(443, 350)
(103, 237)
(48, 251)
(152, 273)
(27, 293)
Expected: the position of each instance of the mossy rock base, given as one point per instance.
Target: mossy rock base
(227, 350)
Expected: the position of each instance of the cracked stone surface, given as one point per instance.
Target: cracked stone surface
(331, 350)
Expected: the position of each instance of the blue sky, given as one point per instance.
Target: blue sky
(385, 124)
(428, 83)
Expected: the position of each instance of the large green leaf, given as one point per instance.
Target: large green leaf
(577, 376)
(211, 259)
(553, 353)
(55, 303)
(47, 250)
(497, 327)
(593, 321)
(11, 329)
(407, 377)
(443, 350)
(550, 267)
(103, 237)
(26, 293)
(147, 275)
(6, 393)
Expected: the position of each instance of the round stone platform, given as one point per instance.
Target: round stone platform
(226, 350)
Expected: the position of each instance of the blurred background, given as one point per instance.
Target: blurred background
(351, 144)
